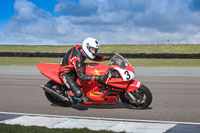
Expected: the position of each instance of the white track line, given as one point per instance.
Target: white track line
(101, 118)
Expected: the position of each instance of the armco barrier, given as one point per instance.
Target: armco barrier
(163, 56)
(140, 55)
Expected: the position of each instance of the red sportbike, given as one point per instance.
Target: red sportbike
(119, 86)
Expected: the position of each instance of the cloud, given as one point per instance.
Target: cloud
(124, 21)
(24, 10)
(74, 8)
(30, 23)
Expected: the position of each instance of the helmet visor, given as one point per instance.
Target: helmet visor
(94, 51)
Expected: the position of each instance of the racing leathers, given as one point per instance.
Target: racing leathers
(75, 58)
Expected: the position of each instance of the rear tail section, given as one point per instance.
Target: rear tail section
(50, 70)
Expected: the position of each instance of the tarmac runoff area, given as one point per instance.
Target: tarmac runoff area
(100, 123)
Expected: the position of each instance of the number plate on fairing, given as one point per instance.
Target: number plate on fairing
(126, 74)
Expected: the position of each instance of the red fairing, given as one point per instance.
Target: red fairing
(50, 70)
(134, 85)
(95, 69)
(130, 68)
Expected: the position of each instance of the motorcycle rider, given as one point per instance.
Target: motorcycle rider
(75, 57)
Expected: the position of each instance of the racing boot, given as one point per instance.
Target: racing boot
(74, 98)
(78, 99)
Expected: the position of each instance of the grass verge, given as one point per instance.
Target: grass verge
(26, 61)
(180, 48)
(33, 129)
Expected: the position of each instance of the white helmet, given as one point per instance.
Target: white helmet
(90, 47)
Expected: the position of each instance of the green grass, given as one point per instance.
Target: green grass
(25, 61)
(23, 48)
(33, 129)
(181, 48)
(185, 49)
(165, 62)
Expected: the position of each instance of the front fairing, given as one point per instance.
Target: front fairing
(124, 68)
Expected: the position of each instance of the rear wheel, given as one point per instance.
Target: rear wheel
(138, 99)
(52, 98)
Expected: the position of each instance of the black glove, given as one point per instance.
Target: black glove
(108, 57)
(101, 78)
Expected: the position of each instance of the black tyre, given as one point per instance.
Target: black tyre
(53, 99)
(138, 99)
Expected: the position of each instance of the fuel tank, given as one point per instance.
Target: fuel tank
(95, 69)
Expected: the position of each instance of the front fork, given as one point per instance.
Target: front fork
(131, 96)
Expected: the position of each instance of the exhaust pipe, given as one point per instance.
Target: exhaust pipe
(54, 93)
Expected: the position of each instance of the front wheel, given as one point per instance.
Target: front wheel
(138, 99)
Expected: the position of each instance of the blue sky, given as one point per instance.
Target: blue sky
(110, 21)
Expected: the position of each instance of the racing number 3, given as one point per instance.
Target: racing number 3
(128, 76)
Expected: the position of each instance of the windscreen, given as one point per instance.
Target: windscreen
(119, 61)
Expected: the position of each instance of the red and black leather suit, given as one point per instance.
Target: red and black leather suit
(75, 58)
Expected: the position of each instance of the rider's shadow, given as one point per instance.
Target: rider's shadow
(82, 107)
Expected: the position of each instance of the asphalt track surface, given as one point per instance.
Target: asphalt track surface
(176, 95)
